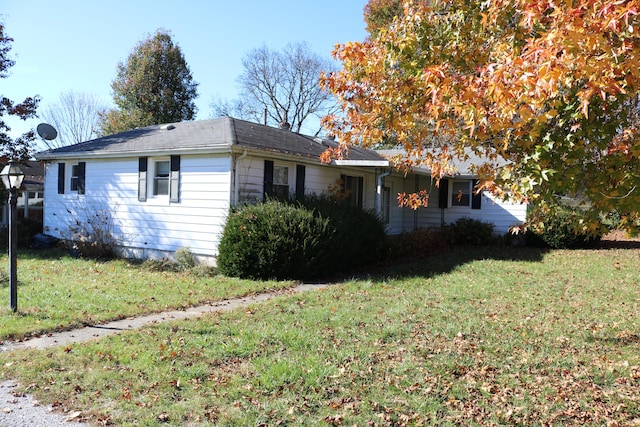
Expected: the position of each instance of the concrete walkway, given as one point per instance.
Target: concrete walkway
(18, 410)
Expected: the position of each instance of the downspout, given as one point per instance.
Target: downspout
(236, 187)
(379, 193)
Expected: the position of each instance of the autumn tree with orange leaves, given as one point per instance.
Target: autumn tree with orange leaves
(546, 91)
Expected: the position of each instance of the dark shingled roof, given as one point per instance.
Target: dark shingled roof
(201, 136)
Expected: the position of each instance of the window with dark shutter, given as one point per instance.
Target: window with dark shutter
(82, 171)
(443, 194)
(174, 180)
(142, 178)
(61, 176)
(268, 180)
(476, 198)
(300, 176)
(77, 179)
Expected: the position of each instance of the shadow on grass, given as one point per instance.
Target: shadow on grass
(43, 254)
(58, 252)
(620, 339)
(447, 261)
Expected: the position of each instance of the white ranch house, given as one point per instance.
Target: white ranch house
(166, 187)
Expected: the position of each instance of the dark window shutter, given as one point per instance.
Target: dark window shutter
(142, 178)
(61, 168)
(300, 173)
(268, 179)
(443, 195)
(174, 180)
(82, 171)
(476, 198)
(360, 188)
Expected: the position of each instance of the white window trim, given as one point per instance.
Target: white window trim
(291, 171)
(469, 183)
(151, 182)
(69, 180)
(364, 184)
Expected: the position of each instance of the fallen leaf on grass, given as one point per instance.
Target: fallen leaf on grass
(74, 415)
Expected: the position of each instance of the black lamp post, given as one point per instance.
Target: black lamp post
(12, 177)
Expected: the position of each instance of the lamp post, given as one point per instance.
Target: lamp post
(12, 177)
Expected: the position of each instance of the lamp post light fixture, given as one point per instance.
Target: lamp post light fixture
(12, 177)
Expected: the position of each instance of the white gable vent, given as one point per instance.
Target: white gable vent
(167, 127)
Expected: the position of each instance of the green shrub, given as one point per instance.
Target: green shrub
(298, 240)
(563, 227)
(419, 243)
(358, 237)
(273, 240)
(467, 231)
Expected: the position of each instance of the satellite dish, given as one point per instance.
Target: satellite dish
(46, 131)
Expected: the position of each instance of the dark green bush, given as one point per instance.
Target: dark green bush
(298, 240)
(273, 240)
(419, 243)
(562, 227)
(358, 238)
(467, 231)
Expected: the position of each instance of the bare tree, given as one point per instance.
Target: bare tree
(278, 87)
(76, 117)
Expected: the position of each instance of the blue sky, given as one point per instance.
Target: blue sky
(76, 45)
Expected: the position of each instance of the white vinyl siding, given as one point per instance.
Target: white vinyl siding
(147, 227)
(318, 179)
(402, 220)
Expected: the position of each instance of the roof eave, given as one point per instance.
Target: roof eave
(119, 154)
(362, 163)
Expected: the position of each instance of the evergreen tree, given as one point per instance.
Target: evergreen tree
(153, 86)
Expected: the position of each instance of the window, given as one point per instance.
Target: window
(461, 193)
(74, 178)
(386, 204)
(162, 171)
(280, 181)
(276, 180)
(164, 178)
(352, 189)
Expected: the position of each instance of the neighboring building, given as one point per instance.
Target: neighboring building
(165, 187)
(31, 193)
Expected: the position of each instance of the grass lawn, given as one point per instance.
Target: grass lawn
(57, 292)
(480, 336)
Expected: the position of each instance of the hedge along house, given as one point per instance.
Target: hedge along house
(161, 188)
